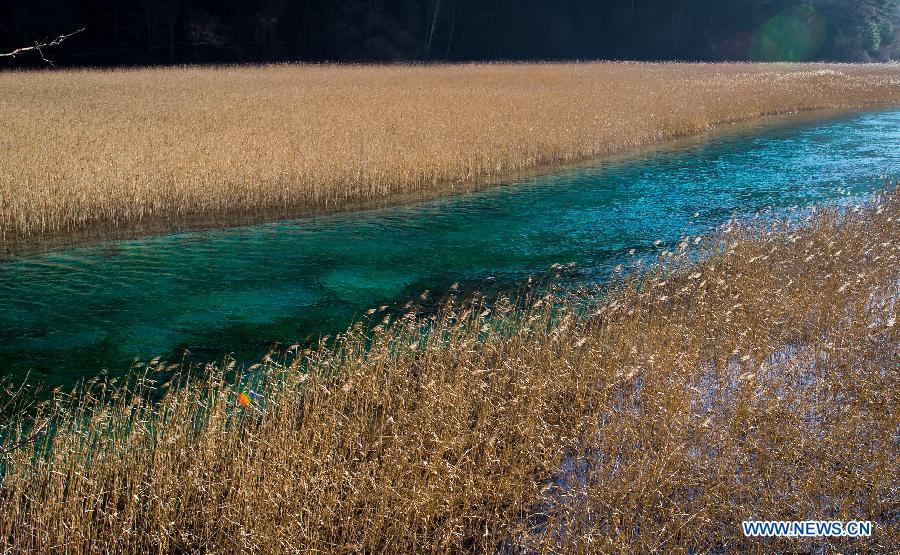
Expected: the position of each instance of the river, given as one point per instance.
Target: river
(69, 313)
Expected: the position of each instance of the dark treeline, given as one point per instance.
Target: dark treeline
(128, 32)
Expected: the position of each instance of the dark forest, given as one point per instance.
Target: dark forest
(149, 32)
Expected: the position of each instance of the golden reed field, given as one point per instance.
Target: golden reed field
(761, 381)
(83, 152)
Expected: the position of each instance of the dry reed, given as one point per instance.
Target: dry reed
(84, 152)
(753, 374)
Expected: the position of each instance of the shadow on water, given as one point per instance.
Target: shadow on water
(67, 314)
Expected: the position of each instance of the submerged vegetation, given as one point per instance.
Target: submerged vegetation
(752, 374)
(85, 152)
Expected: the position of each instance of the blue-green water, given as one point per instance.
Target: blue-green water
(70, 313)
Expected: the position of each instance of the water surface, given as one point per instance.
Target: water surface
(70, 313)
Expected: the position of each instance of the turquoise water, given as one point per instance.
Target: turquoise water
(70, 313)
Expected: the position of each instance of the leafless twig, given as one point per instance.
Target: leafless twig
(39, 46)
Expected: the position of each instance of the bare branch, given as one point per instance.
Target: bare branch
(39, 46)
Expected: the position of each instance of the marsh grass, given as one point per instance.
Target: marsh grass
(753, 374)
(87, 152)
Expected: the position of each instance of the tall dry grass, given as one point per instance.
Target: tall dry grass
(758, 382)
(83, 152)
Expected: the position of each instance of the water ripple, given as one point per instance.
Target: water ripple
(68, 314)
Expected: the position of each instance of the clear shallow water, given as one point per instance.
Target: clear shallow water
(70, 313)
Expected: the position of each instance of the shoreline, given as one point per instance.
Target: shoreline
(101, 234)
(686, 391)
(101, 155)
